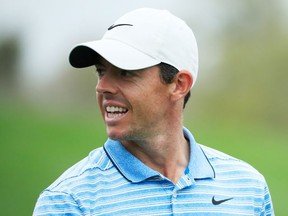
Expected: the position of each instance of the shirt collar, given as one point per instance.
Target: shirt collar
(127, 164)
(199, 165)
(136, 171)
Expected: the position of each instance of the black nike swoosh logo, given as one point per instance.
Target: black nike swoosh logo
(218, 202)
(113, 26)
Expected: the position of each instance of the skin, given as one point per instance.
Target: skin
(151, 127)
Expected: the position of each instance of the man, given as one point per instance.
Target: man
(147, 62)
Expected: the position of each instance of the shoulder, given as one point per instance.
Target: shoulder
(226, 165)
(239, 179)
(94, 164)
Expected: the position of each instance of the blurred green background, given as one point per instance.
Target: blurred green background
(48, 114)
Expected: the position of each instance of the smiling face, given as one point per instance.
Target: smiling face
(135, 105)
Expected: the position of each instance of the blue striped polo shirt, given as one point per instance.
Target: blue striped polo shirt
(111, 181)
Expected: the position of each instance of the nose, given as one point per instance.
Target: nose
(106, 84)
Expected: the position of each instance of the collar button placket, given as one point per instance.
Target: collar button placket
(174, 200)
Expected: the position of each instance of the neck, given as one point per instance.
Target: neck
(167, 153)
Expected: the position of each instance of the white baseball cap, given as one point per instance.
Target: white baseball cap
(142, 38)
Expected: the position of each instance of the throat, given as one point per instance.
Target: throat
(174, 174)
(169, 160)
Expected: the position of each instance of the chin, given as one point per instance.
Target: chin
(113, 134)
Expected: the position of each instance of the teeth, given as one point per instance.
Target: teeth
(114, 115)
(112, 109)
(115, 112)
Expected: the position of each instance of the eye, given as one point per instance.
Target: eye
(100, 72)
(126, 73)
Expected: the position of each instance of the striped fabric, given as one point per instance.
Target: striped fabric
(111, 181)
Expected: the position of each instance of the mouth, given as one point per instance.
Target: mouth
(114, 112)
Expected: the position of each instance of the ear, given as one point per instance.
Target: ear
(182, 84)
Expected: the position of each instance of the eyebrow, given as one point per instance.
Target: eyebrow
(100, 61)
(99, 64)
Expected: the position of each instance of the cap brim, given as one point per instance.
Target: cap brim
(115, 52)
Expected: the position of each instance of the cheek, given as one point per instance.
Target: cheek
(160, 95)
(99, 103)
(154, 102)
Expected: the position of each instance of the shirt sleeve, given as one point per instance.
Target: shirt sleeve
(56, 203)
(267, 208)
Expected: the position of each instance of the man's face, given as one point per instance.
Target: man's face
(134, 104)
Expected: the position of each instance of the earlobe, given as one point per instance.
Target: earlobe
(183, 82)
